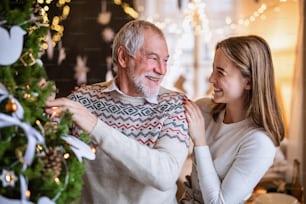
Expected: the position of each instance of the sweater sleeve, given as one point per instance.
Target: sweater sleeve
(251, 162)
(158, 167)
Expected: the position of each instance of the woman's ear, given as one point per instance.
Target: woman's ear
(248, 85)
(122, 57)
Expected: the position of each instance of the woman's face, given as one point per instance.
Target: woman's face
(229, 86)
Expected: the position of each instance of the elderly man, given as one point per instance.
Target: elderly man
(139, 127)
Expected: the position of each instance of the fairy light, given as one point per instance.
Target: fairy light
(130, 11)
(39, 148)
(66, 156)
(259, 13)
(44, 46)
(118, 2)
(195, 14)
(46, 8)
(26, 96)
(38, 123)
(55, 111)
(55, 27)
(93, 149)
(66, 11)
(10, 178)
(28, 193)
(127, 9)
(57, 180)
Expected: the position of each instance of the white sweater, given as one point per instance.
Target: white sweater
(229, 167)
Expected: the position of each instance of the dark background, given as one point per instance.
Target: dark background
(82, 36)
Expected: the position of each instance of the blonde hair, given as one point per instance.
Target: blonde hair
(252, 56)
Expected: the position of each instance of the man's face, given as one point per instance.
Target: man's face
(146, 70)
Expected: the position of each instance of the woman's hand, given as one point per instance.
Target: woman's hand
(80, 115)
(196, 123)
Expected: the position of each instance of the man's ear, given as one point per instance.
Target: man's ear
(122, 56)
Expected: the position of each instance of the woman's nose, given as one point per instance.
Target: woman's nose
(211, 78)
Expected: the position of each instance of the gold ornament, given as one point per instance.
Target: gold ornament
(27, 58)
(11, 106)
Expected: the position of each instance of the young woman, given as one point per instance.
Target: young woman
(234, 133)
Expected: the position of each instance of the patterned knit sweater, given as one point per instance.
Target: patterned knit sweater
(141, 146)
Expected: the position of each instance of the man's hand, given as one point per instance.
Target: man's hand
(80, 115)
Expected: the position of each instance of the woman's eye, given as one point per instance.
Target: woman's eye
(221, 72)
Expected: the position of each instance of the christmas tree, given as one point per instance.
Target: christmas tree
(39, 161)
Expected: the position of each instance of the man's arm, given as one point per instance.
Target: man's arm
(159, 167)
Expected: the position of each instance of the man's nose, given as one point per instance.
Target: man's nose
(162, 68)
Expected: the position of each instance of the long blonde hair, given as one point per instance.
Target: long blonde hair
(252, 55)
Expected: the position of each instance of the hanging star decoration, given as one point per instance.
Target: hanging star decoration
(8, 178)
(81, 70)
(61, 53)
(104, 16)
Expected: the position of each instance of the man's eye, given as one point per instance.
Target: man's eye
(153, 58)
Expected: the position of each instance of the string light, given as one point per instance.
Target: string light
(195, 14)
(28, 193)
(56, 28)
(258, 13)
(57, 180)
(66, 156)
(127, 9)
(93, 149)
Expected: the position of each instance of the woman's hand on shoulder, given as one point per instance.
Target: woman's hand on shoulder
(196, 123)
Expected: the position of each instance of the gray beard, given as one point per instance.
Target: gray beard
(140, 87)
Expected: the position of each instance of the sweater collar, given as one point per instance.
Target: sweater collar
(113, 87)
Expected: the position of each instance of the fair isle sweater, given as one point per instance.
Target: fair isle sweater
(141, 146)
